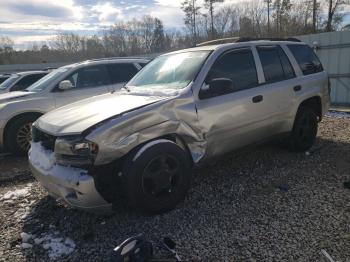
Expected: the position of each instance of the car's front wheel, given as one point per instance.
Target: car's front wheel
(304, 131)
(157, 176)
(18, 134)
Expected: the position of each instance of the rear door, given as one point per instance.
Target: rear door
(313, 79)
(88, 81)
(278, 88)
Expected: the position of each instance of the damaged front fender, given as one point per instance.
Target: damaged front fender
(121, 135)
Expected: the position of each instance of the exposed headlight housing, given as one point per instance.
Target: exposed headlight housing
(75, 151)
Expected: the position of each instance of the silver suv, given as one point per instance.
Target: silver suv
(182, 109)
(68, 84)
(21, 81)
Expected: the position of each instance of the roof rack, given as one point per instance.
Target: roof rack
(245, 39)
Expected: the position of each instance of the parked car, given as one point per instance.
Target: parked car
(18, 110)
(21, 81)
(4, 77)
(182, 109)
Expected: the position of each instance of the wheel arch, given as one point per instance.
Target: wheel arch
(315, 103)
(175, 138)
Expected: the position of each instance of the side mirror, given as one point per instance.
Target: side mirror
(218, 87)
(65, 85)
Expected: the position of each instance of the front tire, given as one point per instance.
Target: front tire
(18, 134)
(157, 176)
(304, 131)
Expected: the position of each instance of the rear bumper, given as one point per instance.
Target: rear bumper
(73, 186)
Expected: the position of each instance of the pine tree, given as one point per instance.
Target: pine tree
(191, 11)
(209, 4)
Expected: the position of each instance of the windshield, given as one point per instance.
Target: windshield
(47, 80)
(8, 83)
(173, 71)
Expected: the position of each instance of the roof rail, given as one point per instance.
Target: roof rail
(219, 41)
(244, 39)
(111, 58)
(248, 39)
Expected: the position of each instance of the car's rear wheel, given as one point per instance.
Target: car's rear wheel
(156, 177)
(18, 134)
(304, 131)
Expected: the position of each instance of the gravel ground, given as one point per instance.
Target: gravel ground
(257, 204)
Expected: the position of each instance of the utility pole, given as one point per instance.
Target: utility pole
(314, 14)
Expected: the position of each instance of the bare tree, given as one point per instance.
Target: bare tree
(6, 44)
(158, 37)
(334, 6)
(67, 42)
(268, 3)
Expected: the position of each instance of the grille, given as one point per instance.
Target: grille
(47, 141)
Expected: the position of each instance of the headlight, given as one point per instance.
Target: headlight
(75, 151)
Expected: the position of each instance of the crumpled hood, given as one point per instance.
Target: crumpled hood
(11, 96)
(77, 117)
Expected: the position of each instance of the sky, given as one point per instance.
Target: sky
(26, 21)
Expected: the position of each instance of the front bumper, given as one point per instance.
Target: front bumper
(73, 186)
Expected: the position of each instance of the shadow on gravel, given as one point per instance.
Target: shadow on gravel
(260, 203)
(13, 168)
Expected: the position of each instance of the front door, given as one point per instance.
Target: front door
(87, 82)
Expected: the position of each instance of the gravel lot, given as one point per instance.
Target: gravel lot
(257, 204)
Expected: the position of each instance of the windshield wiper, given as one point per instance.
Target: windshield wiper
(124, 87)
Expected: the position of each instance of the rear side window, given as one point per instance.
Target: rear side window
(239, 66)
(306, 58)
(27, 81)
(122, 72)
(275, 64)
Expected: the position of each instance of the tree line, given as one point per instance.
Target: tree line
(202, 22)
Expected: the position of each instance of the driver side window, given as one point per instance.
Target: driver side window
(237, 66)
(93, 76)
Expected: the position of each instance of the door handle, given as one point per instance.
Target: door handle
(297, 88)
(257, 99)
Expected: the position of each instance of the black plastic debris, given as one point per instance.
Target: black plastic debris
(283, 188)
(138, 249)
(134, 249)
(347, 185)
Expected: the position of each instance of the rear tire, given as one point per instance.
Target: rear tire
(304, 131)
(156, 177)
(18, 134)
